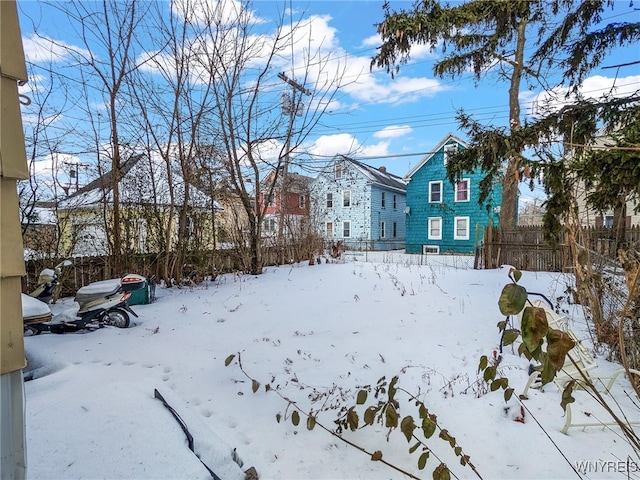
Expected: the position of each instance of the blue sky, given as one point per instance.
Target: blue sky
(375, 118)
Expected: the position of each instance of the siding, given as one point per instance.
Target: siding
(359, 213)
(365, 213)
(421, 210)
(387, 214)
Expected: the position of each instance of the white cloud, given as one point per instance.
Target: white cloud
(376, 150)
(418, 51)
(393, 131)
(339, 144)
(225, 12)
(53, 164)
(378, 87)
(594, 88)
(346, 144)
(38, 49)
(372, 41)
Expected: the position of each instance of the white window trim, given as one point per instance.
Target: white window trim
(455, 194)
(434, 237)
(441, 194)
(430, 249)
(345, 222)
(350, 199)
(455, 229)
(383, 229)
(327, 229)
(383, 200)
(328, 199)
(337, 171)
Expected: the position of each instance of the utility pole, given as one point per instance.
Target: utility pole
(292, 108)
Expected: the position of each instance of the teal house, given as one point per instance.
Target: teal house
(442, 217)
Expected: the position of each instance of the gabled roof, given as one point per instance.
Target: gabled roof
(449, 138)
(144, 180)
(295, 181)
(378, 176)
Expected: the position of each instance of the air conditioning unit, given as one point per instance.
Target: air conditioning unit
(430, 249)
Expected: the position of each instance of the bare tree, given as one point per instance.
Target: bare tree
(106, 30)
(242, 68)
(44, 133)
(174, 100)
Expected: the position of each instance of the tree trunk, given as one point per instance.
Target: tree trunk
(255, 267)
(620, 224)
(510, 191)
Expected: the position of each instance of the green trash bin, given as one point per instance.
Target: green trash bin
(140, 289)
(140, 296)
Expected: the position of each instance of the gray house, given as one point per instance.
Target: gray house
(359, 205)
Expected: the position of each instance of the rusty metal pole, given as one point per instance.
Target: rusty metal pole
(13, 167)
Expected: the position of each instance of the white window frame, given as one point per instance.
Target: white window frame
(383, 200)
(346, 228)
(448, 149)
(269, 225)
(383, 229)
(467, 182)
(455, 228)
(329, 200)
(430, 221)
(337, 172)
(346, 198)
(302, 200)
(431, 184)
(430, 249)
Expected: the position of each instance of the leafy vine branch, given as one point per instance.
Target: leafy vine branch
(386, 412)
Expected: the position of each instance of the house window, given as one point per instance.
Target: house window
(395, 229)
(329, 229)
(435, 228)
(346, 198)
(462, 190)
(383, 229)
(271, 201)
(329, 200)
(302, 201)
(269, 225)
(427, 249)
(608, 221)
(383, 200)
(395, 202)
(346, 229)
(338, 171)
(448, 150)
(435, 192)
(461, 228)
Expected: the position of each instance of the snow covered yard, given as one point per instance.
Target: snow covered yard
(316, 335)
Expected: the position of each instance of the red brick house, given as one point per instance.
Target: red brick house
(288, 202)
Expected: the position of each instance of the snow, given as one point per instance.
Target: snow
(104, 286)
(32, 307)
(316, 335)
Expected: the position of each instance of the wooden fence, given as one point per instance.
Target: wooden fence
(196, 266)
(526, 247)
